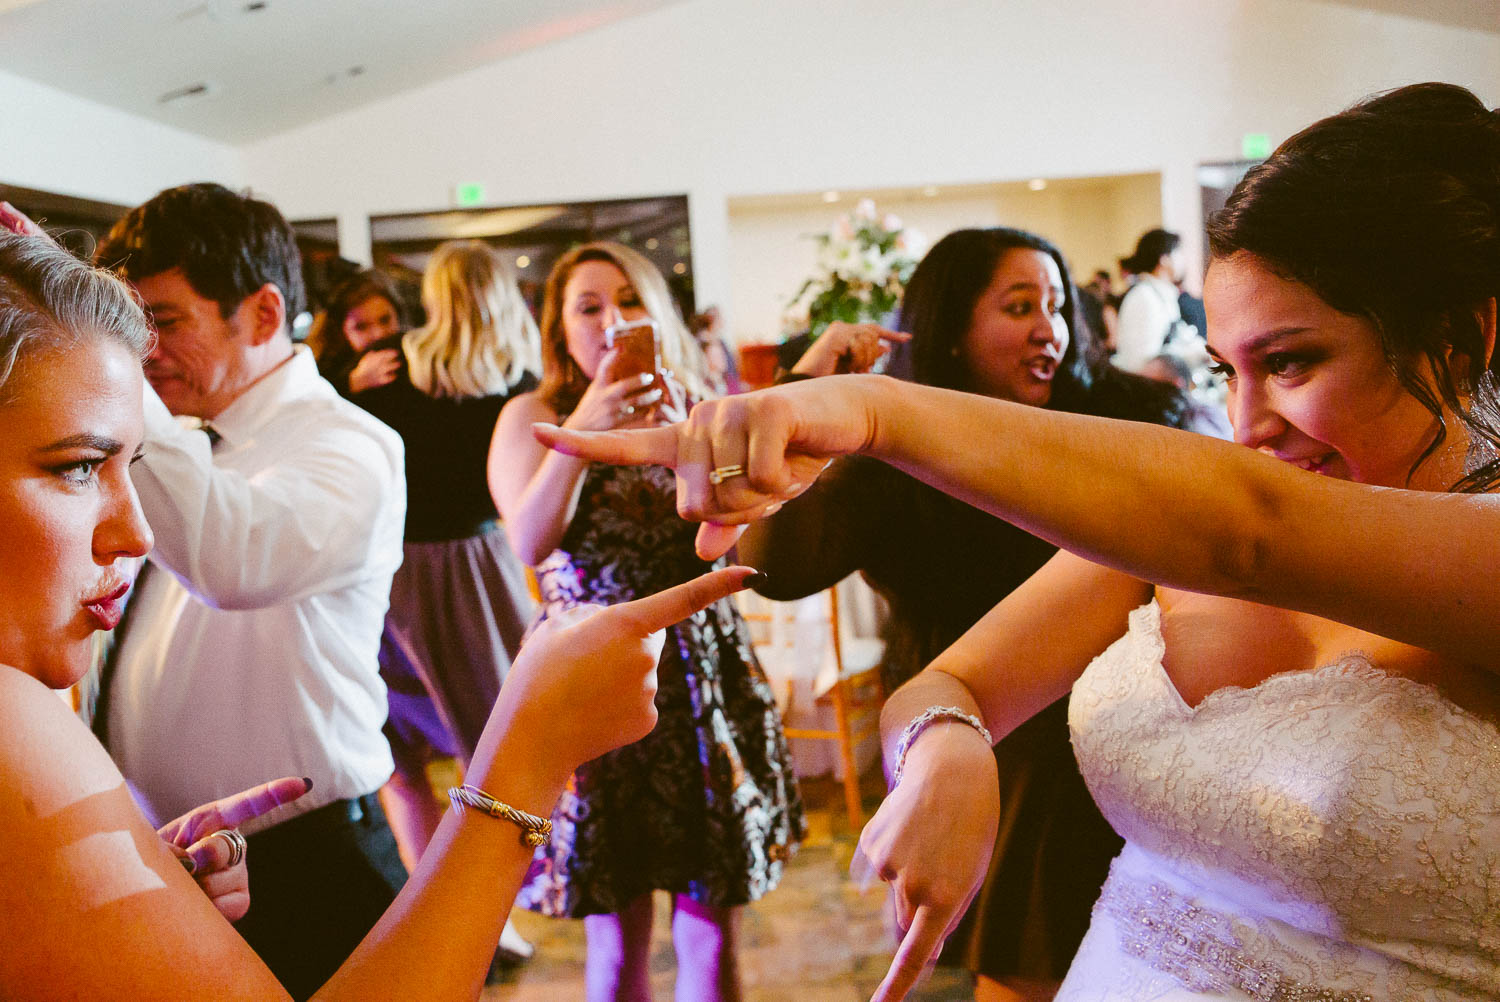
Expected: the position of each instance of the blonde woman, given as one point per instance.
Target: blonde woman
(93, 901)
(706, 806)
(459, 603)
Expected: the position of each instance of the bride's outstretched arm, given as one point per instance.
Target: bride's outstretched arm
(1169, 507)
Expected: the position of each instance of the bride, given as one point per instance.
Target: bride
(1282, 657)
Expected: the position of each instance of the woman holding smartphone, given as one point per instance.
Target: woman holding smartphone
(706, 807)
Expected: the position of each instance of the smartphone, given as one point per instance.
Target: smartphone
(639, 348)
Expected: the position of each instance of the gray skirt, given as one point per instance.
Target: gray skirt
(459, 609)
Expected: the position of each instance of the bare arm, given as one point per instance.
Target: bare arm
(536, 490)
(932, 837)
(1165, 506)
(310, 522)
(1188, 512)
(84, 877)
(821, 537)
(1015, 662)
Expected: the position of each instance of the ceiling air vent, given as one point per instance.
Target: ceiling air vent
(189, 93)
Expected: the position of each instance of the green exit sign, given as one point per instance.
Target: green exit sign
(1255, 146)
(468, 195)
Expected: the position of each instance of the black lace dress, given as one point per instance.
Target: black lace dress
(706, 805)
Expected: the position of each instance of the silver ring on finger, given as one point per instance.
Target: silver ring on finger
(722, 473)
(237, 845)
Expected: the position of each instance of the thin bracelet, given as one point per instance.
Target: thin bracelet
(924, 720)
(535, 831)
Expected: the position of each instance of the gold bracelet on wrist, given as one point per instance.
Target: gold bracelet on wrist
(535, 831)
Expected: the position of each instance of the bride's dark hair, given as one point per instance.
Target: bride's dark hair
(1390, 211)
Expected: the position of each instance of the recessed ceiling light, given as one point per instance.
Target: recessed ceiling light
(679, 268)
(653, 243)
(523, 261)
(1037, 183)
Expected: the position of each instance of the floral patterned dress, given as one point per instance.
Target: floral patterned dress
(706, 805)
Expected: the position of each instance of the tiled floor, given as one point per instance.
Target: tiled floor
(814, 939)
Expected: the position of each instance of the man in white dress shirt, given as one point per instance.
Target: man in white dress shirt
(249, 648)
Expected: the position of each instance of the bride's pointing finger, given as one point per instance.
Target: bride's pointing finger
(626, 447)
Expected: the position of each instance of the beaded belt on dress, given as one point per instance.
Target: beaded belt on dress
(1173, 934)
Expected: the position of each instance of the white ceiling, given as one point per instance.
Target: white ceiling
(271, 65)
(1482, 15)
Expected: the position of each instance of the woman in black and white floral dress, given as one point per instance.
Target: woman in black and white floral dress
(706, 806)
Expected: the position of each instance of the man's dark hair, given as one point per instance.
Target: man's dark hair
(227, 245)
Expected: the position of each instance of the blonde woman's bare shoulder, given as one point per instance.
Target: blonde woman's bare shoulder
(93, 903)
(529, 406)
(46, 752)
(520, 413)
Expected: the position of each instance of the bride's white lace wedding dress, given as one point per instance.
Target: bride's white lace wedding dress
(1324, 835)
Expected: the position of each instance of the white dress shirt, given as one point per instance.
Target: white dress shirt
(1146, 312)
(255, 657)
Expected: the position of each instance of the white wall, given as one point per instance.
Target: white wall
(57, 142)
(737, 97)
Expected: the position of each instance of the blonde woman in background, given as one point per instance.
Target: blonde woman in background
(706, 806)
(460, 602)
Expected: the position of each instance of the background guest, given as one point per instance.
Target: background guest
(254, 655)
(706, 807)
(992, 312)
(1150, 316)
(355, 338)
(707, 329)
(459, 602)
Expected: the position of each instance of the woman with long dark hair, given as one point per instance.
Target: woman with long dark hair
(987, 311)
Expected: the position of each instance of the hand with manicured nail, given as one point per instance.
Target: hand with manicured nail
(587, 677)
(616, 403)
(782, 437)
(16, 221)
(844, 348)
(208, 856)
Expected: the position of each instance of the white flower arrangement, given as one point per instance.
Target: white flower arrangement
(865, 262)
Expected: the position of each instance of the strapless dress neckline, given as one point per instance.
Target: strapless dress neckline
(1333, 830)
